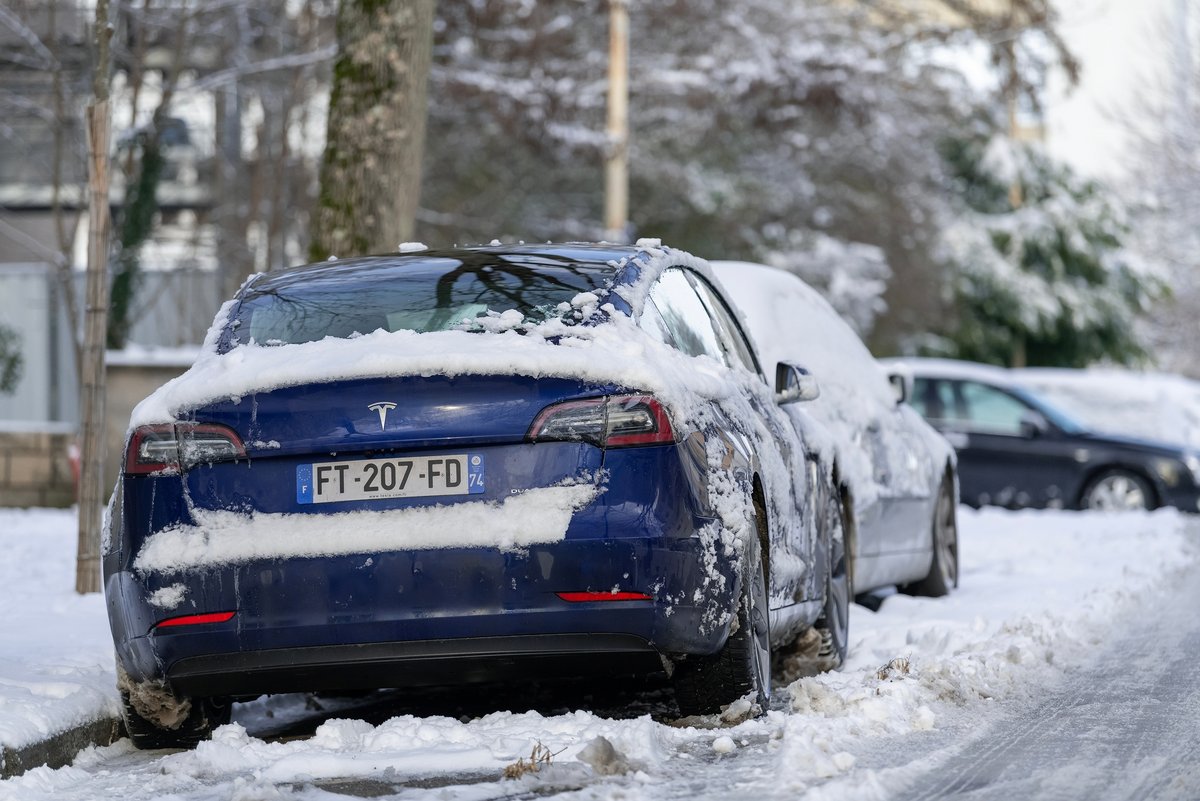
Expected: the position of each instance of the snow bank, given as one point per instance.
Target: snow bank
(56, 657)
(1028, 607)
(1156, 406)
(413, 746)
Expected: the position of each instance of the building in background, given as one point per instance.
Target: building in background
(240, 139)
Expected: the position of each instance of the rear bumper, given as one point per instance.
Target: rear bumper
(420, 618)
(412, 664)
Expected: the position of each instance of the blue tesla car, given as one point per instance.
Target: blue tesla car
(470, 465)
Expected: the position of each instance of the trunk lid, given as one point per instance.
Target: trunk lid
(290, 431)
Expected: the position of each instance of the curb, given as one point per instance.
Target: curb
(59, 749)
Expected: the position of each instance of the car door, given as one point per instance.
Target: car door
(1008, 454)
(686, 318)
(905, 474)
(800, 519)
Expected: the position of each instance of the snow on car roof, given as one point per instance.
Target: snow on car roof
(791, 322)
(1157, 406)
(951, 368)
(617, 353)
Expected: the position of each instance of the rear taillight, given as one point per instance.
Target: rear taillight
(613, 422)
(600, 597)
(169, 448)
(195, 620)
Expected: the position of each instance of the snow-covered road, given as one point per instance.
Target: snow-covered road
(1062, 668)
(1120, 726)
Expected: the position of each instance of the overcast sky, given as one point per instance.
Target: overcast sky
(1125, 47)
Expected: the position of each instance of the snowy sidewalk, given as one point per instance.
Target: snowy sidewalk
(56, 656)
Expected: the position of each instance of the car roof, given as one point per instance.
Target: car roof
(598, 257)
(922, 367)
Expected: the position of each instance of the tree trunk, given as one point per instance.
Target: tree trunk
(371, 171)
(91, 404)
(91, 492)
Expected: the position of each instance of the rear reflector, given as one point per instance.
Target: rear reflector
(586, 597)
(192, 620)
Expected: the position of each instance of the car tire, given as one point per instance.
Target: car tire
(1117, 490)
(943, 569)
(706, 685)
(204, 716)
(833, 626)
(823, 647)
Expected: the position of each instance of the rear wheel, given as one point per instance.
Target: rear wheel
(705, 685)
(824, 646)
(197, 724)
(943, 570)
(1118, 491)
(833, 626)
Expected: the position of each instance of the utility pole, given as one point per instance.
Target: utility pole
(1015, 195)
(616, 168)
(91, 406)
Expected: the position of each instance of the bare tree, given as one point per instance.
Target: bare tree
(1164, 164)
(63, 265)
(91, 493)
(371, 171)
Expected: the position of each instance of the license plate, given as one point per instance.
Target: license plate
(371, 479)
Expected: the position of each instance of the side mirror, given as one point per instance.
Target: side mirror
(794, 384)
(901, 386)
(1033, 425)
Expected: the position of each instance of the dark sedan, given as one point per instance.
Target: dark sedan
(468, 465)
(1016, 449)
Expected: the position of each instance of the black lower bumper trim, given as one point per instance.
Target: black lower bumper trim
(427, 663)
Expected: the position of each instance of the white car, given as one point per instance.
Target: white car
(899, 475)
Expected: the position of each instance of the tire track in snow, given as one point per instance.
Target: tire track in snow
(1122, 727)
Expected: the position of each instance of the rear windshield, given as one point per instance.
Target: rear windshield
(437, 295)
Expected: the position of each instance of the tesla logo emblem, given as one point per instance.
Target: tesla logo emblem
(382, 408)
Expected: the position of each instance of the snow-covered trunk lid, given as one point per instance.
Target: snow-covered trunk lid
(413, 411)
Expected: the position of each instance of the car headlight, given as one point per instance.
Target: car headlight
(1192, 462)
(1168, 470)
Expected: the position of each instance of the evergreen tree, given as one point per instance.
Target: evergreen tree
(1044, 282)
